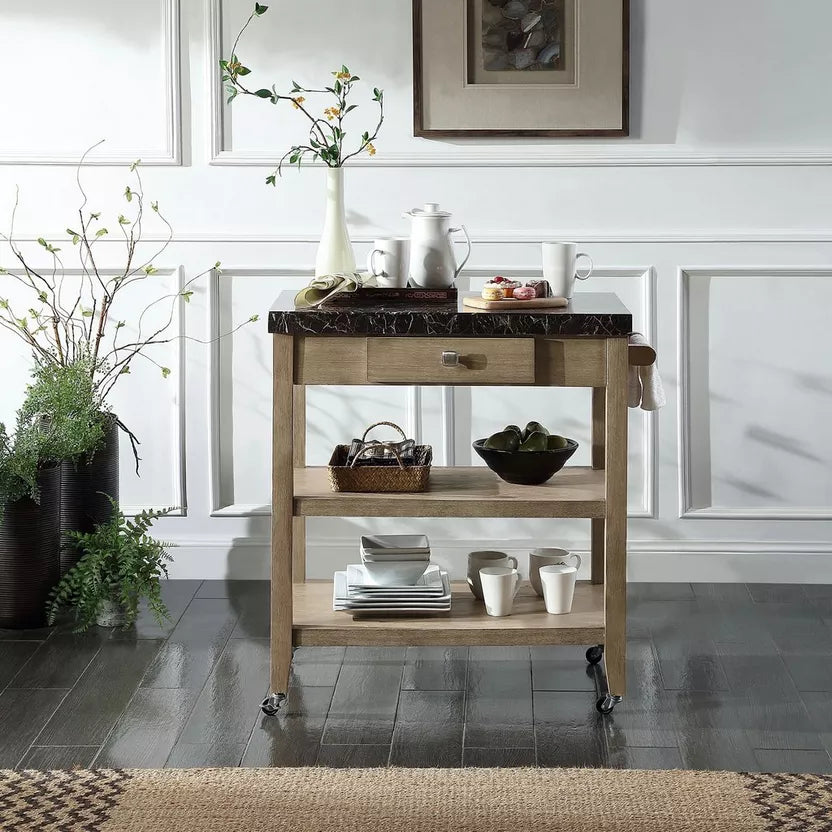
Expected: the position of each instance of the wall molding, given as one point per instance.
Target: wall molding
(218, 508)
(433, 154)
(687, 508)
(652, 560)
(496, 237)
(172, 153)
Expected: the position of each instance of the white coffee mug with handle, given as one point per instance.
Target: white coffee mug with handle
(388, 262)
(551, 556)
(560, 267)
(499, 586)
(477, 560)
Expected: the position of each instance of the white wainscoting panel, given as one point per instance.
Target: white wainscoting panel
(756, 393)
(101, 70)
(159, 422)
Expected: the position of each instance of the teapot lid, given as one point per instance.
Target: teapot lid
(430, 209)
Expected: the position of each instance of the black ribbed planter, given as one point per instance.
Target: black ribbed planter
(30, 554)
(83, 489)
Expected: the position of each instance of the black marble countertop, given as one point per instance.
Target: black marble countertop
(589, 314)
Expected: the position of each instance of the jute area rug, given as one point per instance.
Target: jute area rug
(411, 800)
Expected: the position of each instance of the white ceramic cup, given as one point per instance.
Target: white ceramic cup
(560, 267)
(388, 262)
(499, 586)
(558, 587)
(477, 560)
(549, 557)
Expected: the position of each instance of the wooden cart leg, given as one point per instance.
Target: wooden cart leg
(282, 525)
(599, 427)
(299, 460)
(615, 533)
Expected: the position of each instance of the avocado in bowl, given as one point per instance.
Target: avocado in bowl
(528, 456)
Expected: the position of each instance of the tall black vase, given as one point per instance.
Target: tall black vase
(29, 554)
(85, 486)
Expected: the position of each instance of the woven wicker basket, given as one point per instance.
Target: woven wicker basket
(380, 478)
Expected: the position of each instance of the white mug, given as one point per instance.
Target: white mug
(560, 267)
(388, 262)
(477, 560)
(499, 586)
(548, 557)
(558, 587)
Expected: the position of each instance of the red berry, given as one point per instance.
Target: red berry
(499, 279)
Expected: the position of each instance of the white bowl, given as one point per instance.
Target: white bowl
(399, 573)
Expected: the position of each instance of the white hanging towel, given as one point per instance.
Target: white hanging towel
(644, 385)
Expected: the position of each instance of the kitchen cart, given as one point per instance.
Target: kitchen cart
(582, 345)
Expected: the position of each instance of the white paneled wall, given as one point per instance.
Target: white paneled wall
(713, 222)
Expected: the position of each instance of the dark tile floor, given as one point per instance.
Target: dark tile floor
(720, 677)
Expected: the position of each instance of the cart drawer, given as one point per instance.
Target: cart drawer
(450, 360)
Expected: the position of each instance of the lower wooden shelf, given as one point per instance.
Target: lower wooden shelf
(317, 624)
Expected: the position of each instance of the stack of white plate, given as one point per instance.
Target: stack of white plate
(394, 559)
(354, 593)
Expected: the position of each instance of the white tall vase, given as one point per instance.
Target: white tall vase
(335, 252)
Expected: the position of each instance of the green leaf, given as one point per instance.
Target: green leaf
(120, 324)
(75, 240)
(344, 69)
(243, 70)
(165, 372)
(125, 370)
(271, 180)
(43, 297)
(350, 108)
(95, 216)
(218, 266)
(338, 87)
(155, 206)
(4, 304)
(128, 194)
(101, 232)
(43, 242)
(3, 271)
(122, 220)
(186, 296)
(263, 93)
(85, 312)
(149, 269)
(254, 319)
(135, 165)
(258, 9)
(223, 64)
(354, 79)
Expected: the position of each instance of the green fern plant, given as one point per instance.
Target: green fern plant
(120, 562)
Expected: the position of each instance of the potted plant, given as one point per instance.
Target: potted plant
(81, 346)
(119, 564)
(326, 143)
(30, 482)
(85, 440)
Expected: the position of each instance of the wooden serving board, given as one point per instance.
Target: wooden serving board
(511, 303)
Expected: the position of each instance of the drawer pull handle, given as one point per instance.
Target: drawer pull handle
(450, 358)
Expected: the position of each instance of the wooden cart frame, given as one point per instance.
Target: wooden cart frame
(301, 610)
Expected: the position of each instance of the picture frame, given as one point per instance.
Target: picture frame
(470, 83)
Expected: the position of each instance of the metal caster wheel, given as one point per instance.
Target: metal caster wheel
(271, 704)
(595, 654)
(606, 703)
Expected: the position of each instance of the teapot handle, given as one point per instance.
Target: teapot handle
(464, 230)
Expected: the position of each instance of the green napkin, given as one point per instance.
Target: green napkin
(323, 288)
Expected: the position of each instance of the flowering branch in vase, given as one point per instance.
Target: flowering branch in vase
(327, 135)
(68, 327)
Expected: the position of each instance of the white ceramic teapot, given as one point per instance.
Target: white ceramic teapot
(432, 261)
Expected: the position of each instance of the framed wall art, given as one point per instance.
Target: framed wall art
(492, 68)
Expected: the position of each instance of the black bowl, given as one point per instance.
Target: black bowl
(526, 467)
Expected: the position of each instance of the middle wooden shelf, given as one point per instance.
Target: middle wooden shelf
(458, 492)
